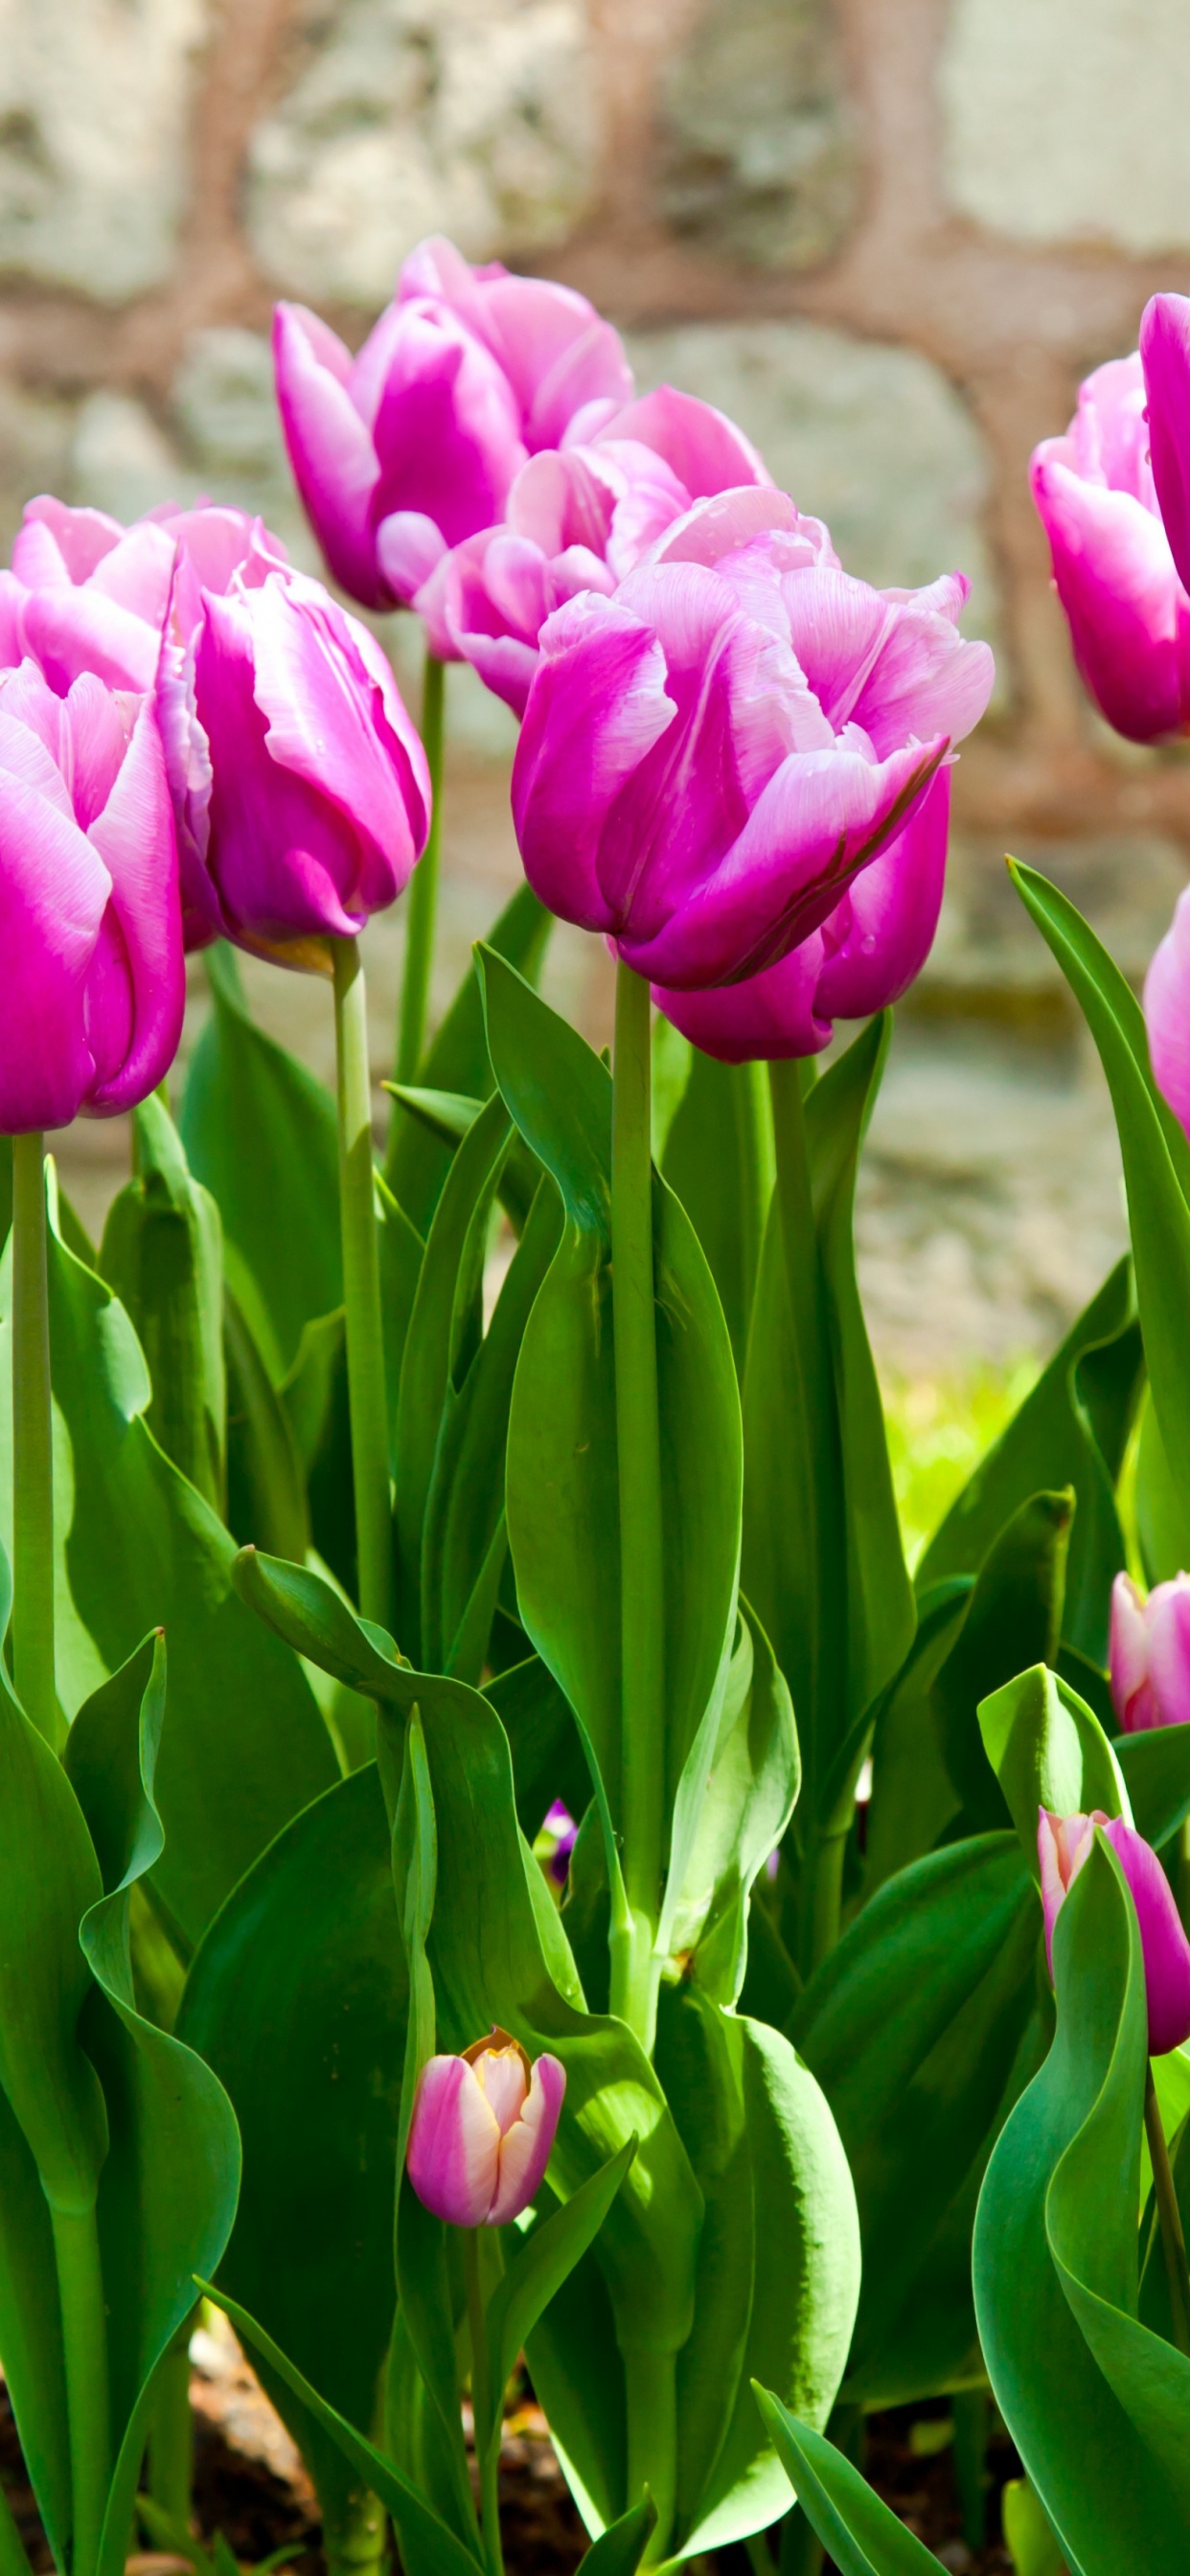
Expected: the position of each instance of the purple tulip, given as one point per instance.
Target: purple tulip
(578, 517)
(482, 2129)
(1165, 356)
(91, 973)
(559, 1825)
(301, 786)
(1167, 1012)
(1114, 573)
(710, 757)
(865, 956)
(1063, 1843)
(85, 594)
(412, 446)
(1149, 1654)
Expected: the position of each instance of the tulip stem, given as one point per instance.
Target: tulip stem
(1169, 2216)
(651, 2389)
(638, 1449)
(422, 907)
(84, 2343)
(33, 1450)
(366, 1392)
(487, 2404)
(171, 2446)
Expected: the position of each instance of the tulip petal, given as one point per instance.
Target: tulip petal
(1128, 615)
(1128, 1658)
(768, 1018)
(1162, 1939)
(525, 2151)
(568, 771)
(454, 2144)
(1168, 1624)
(54, 891)
(330, 449)
(58, 543)
(446, 433)
(503, 2074)
(1167, 1012)
(704, 448)
(134, 836)
(1165, 357)
(886, 922)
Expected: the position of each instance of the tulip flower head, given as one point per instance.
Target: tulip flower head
(710, 757)
(1167, 1012)
(482, 2129)
(91, 970)
(1149, 1654)
(85, 594)
(578, 517)
(412, 446)
(1114, 571)
(1063, 1843)
(301, 786)
(1165, 357)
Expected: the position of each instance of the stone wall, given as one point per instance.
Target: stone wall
(889, 235)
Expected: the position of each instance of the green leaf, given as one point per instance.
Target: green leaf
(298, 2000)
(167, 2192)
(417, 1161)
(562, 1494)
(739, 1810)
(718, 1160)
(1162, 1515)
(1014, 1620)
(304, 1609)
(418, 2526)
(547, 1756)
(162, 1253)
(861, 2532)
(1047, 1749)
(266, 1485)
(1035, 2552)
(136, 1547)
(536, 2273)
(913, 1796)
(1155, 1154)
(912, 2026)
(619, 2550)
(449, 1115)
(259, 1133)
(1096, 2405)
(316, 1402)
(1156, 1769)
(1088, 1393)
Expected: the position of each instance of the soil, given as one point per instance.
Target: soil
(250, 2484)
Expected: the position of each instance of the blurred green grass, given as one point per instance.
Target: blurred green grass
(938, 1430)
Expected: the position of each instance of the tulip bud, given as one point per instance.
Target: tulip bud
(1063, 1843)
(482, 2129)
(1149, 1654)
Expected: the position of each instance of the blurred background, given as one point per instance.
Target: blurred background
(889, 236)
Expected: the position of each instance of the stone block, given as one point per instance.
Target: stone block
(1060, 119)
(757, 151)
(35, 436)
(872, 439)
(94, 100)
(478, 118)
(990, 955)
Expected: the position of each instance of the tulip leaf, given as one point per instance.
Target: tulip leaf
(563, 1506)
(298, 2000)
(1027, 2534)
(1071, 1430)
(421, 2533)
(718, 1160)
(545, 2260)
(304, 1609)
(913, 1796)
(266, 1484)
(162, 1253)
(136, 1547)
(1155, 1154)
(912, 2027)
(1162, 1513)
(1013, 1620)
(259, 1133)
(861, 2532)
(547, 1756)
(1095, 2403)
(739, 1807)
(1156, 1768)
(1047, 1749)
(449, 1115)
(417, 1160)
(619, 2550)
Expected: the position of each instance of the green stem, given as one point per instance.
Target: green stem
(422, 903)
(13, 2556)
(84, 2339)
(355, 2536)
(1169, 2217)
(171, 2448)
(638, 1450)
(366, 1392)
(487, 2417)
(32, 1439)
(650, 2380)
(754, 1129)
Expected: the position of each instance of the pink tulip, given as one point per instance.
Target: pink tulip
(1149, 1654)
(1063, 1843)
(578, 517)
(412, 446)
(301, 787)
(710, 757)
(865, 956)
(91, 972)
(85, 594)
(1115, 575)
(482, 2129)
(1165, 356)
(1167, 1012)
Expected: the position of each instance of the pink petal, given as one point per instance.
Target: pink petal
(409, 548)
(454, 2144)
(505, 2084)
(597, 705)
(768, 1018)
(705, 449)
(56, 543)
(54, 890)
(1165, 356)
(330, 449)
(1128, 1657)
(1167, 1617)
(1167, 1012)
(1163, 1942)
(525, 2150)
(1063, 1844)
(446, 433)
(72, 631)
(134, 836)
(882, 933)
(720, 526)
(335, 719)
(555, 349)
(1128, 614)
